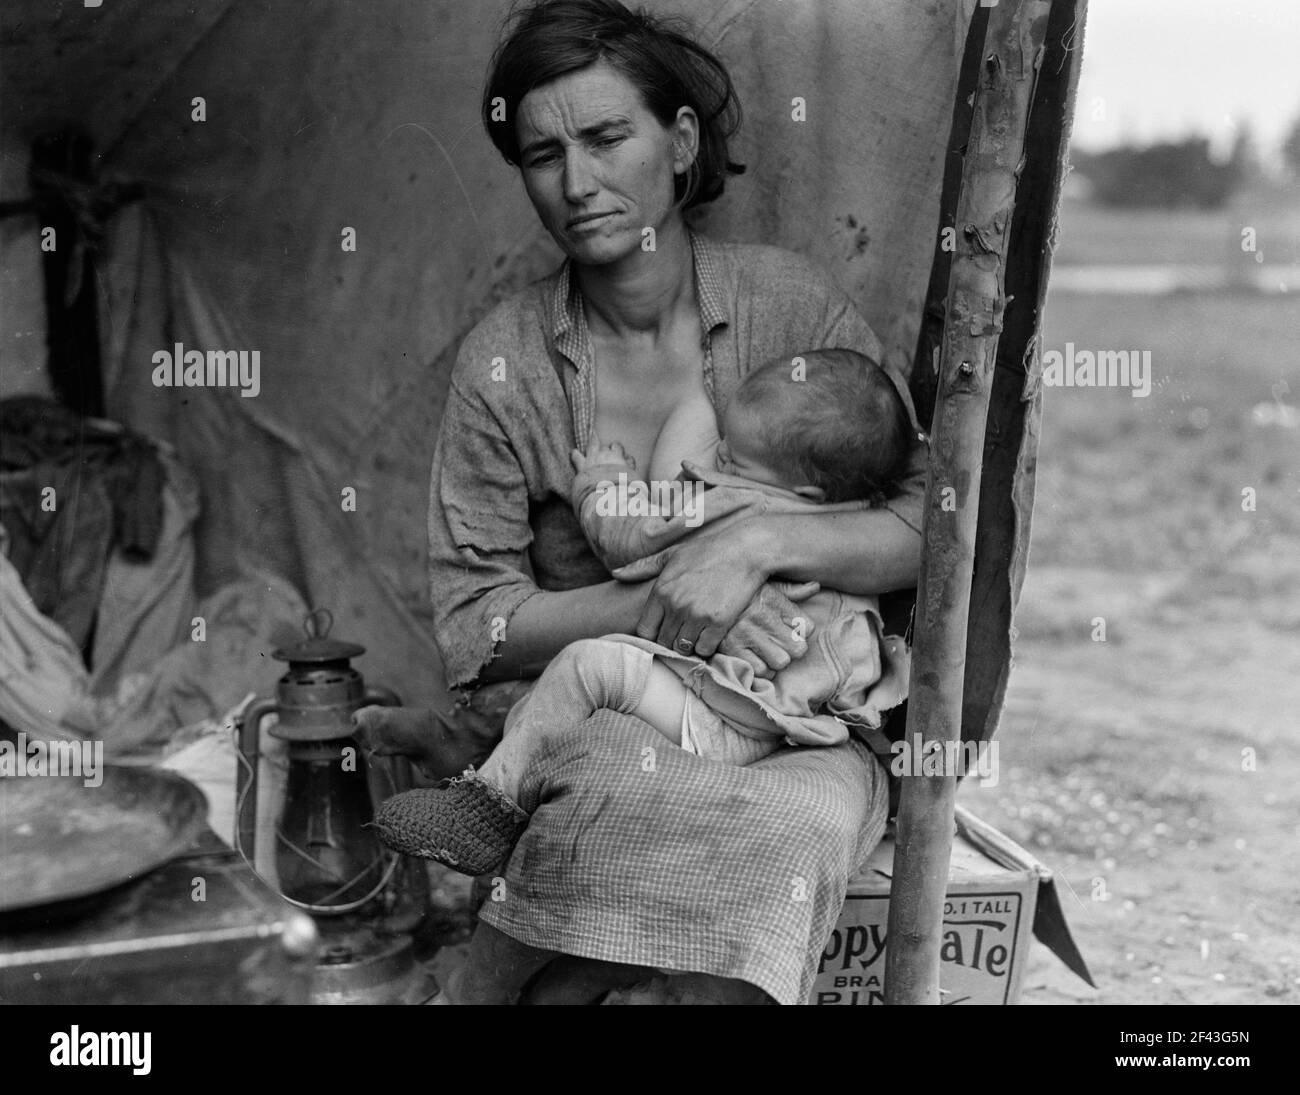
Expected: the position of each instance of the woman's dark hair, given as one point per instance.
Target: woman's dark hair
(548, 39)
(842, 425)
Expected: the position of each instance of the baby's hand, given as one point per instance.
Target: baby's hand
(613, 453)
(599, 454)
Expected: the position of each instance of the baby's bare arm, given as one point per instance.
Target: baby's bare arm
(612, 504)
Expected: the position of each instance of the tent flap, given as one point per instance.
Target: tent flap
(268, 135)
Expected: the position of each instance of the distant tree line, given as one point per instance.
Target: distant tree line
(1291, 151)
(1172, 175)
(1178, 174)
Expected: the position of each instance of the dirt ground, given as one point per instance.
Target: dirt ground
(1156, 771)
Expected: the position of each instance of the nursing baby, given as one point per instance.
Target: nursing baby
(826, 430)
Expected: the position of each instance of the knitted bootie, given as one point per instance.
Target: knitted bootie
(469, 825)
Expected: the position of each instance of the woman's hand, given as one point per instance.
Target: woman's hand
(772, 630)
(439, 743)
(713, 594)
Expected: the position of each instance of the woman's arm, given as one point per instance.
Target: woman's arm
(870, 551)
(707, 581)
(547, 622)
(764, 634)
(866, 551)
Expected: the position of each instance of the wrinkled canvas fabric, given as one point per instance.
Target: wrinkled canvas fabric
(148, 608)
(348, 121)
(44, 685)
(47, 692)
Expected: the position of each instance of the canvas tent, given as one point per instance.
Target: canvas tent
(365, 116)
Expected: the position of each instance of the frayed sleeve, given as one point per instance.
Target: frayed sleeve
(478, 536)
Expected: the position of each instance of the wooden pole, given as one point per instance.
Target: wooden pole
(1014, 48)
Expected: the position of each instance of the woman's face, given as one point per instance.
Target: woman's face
(597, 165)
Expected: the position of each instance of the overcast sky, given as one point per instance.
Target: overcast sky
(1158, 69)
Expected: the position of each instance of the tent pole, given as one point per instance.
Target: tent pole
(1014, 48)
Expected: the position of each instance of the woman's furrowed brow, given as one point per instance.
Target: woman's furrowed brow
(608, 125)
(598, 129)
(542, 144)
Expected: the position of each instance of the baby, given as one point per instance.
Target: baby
(821, 432)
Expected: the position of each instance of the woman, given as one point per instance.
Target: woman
(619, 126)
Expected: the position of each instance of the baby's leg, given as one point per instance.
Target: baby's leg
(583, 678)
(472, 824)
(711, 737)
(662, 701)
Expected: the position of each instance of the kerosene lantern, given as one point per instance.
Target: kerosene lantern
(366, 900)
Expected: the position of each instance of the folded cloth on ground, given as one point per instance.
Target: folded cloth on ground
(640, 853)
(46, 691)
(107, 496)
(44, 685)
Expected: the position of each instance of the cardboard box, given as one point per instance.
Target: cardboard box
(989, 918)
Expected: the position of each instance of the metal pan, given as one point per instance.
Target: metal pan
(61, 841)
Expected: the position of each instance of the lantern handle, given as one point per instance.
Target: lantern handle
(318, 623)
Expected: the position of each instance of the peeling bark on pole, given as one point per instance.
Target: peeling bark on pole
(1014, 44)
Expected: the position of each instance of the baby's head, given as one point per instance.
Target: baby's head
(834, 428)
